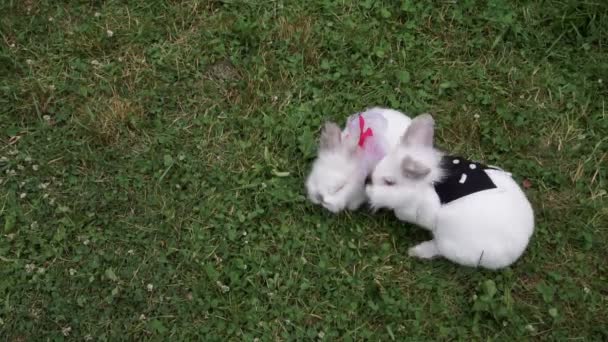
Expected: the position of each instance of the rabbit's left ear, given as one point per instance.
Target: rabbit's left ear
(420, 132)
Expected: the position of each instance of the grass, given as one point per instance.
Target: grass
(154, 154)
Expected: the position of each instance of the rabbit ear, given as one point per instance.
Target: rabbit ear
(330, 136)
(420, 132)
(351, 141)
(413, 169)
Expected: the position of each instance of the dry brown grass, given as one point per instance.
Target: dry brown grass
(301, 37)
(114, 119)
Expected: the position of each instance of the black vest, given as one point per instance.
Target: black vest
(462, 177)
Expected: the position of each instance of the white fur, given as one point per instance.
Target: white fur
(489, 228)
(336, 181)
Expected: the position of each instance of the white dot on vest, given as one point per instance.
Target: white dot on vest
(472, 166)
(455, 161)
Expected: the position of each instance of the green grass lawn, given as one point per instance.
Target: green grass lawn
(154, 157)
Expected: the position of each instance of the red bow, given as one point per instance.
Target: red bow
(363, 134)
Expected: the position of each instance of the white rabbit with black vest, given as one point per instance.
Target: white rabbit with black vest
(478, 215)
(347, 157)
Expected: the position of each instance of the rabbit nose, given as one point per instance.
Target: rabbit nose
(368, 180)
(320, 198)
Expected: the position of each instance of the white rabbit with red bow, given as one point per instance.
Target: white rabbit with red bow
(347, 157)
(478, 215)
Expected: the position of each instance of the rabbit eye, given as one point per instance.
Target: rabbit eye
(338, 188)
(389, 181)
(319, 198)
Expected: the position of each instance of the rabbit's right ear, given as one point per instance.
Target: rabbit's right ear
(420, 132)
(330, 136)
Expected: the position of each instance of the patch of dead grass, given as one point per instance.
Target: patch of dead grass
(562, 133)
(114, 119)
(299, 33)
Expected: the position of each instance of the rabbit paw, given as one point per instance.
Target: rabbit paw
(425, 250)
